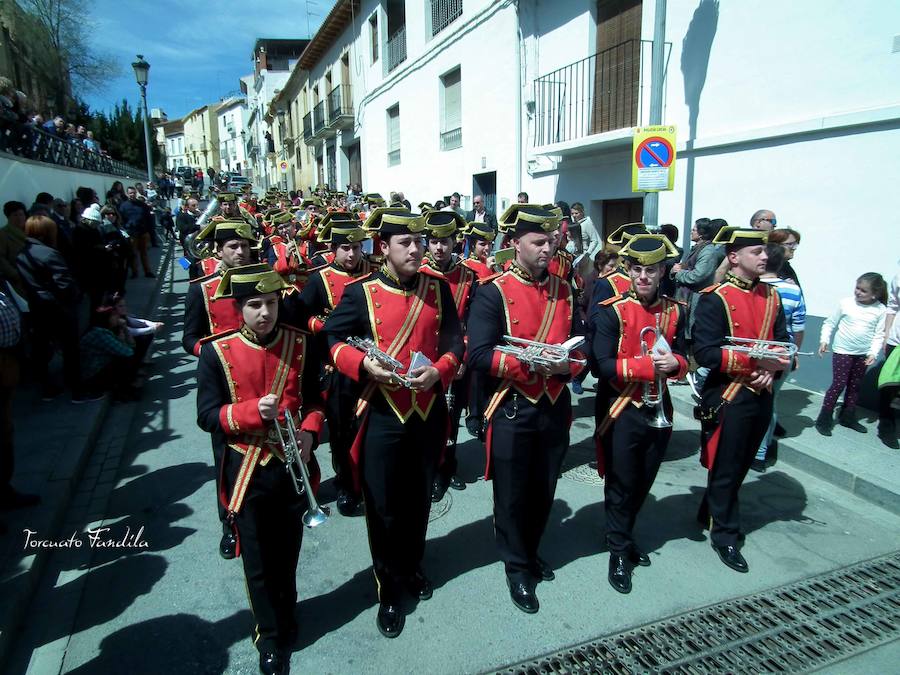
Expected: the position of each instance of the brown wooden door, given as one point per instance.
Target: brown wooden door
(617, 212)
(617, 72)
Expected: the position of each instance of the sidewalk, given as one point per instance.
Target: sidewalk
(53, 442)
(857, 462)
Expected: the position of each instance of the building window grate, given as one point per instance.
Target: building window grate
(396, 49)
(443, 13)
(394, 158)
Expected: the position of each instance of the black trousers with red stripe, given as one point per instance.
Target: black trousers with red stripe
(270, 530)
(632, 453)
(398, 465)
(527, 443)
(743, 423)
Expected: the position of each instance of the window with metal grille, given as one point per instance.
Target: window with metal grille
(393, 135)
(373, 36)
(451, 110)
(443, 13)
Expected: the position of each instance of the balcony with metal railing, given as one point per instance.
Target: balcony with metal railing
(451, 139)
(443, 13)
(308, 129)
(340, 107)
(602, 93)
(320, 128)
(396, 48)
(35, 144)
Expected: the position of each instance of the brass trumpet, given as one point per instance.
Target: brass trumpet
(533, 353)
(653, 393)
(764, 349)
(296, 468)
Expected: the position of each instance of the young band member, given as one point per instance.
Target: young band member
(478, 239)
(203, 316)
(617, 282)
(529, 409)
(441, 228)
(246, 380)
(340, 219)
(630, 448)
(737, 396)
(322, 293)
(402, 428)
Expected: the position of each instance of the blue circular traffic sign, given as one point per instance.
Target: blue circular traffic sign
(654, 152)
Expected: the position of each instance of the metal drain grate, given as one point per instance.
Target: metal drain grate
(794, 628)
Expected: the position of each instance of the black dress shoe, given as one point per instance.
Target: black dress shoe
(619, 573)
(457, 483)
(272, 663)
(419, 586)
(390, 620)
(636, 557)
(542, 570)
(12, 499)
(732, 558)
(349, 505)
(228, 545)
(523, 596)
(780, 431)
(438, 489)
(758, 465)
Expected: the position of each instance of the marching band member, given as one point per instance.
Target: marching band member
(478, 239)
(246, 379)
(530, 408)
(340, 219)
(402, 429)
(441, 228)
(617, 282)
(630, 448)
(736, 399)
(322, 293)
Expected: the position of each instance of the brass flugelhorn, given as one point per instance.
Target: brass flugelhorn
(653, 392)
(763, 349)
(296, 468)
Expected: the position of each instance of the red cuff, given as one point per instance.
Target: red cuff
(314, 422)
(683, 367)
(347, 360)
(238, 417)
(196, 349)
(315, 325)
(736, 363)
(447, 366)
(635, 369)
(509, 367)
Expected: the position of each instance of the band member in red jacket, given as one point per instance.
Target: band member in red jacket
(246, 380)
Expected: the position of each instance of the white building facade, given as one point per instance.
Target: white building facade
(232, 118)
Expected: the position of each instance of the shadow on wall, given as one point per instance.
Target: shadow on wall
(695, 51)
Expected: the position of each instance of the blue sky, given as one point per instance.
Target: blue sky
(197, 50)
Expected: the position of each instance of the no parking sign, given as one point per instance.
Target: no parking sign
(653, 159)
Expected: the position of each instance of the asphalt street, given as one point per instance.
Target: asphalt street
(169, 604)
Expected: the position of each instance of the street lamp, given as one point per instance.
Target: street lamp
(281, 114)
(244, 152)
(141, 72)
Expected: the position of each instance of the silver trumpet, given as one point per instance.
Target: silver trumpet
(533, 353)
(764, 349)
(296, 468)
(653, 392)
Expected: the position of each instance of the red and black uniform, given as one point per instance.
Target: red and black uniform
(734, 415)
(477, 265)
(235, 371)
(561, 265)
(629, 450)
(461, 280)
(527, 415)
(401, 432)
(207, 266)
(205, 317)
(322, 293)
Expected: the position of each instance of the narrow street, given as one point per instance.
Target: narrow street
(167, 603)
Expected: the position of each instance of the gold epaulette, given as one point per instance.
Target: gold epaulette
(490, 278)
(610, 300)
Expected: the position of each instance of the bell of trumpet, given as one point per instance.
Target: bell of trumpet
(315, 514)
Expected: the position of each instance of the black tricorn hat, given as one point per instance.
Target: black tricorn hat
(442, 224)
(387, 220)
(249, 280)
(521, 219)
(739, 237)
(648, 249)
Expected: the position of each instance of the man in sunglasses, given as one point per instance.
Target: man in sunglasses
(763, 220)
